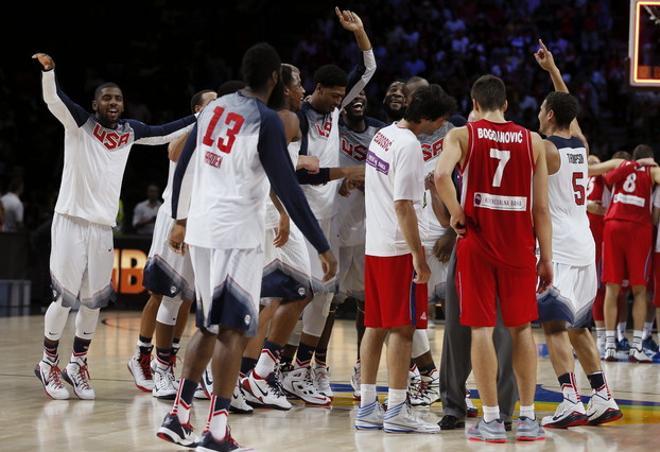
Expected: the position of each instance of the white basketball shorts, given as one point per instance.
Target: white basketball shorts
(318, 285)
(287, 272)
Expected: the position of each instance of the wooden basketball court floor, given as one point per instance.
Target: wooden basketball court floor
(125, 419)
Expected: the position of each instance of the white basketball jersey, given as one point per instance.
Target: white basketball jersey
(572, 241)
(272, 215)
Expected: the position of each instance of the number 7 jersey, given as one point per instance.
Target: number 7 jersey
(572, 241)
(496, 192)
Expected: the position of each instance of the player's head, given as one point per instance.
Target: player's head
(108, 103)
(294, 91)
(153, 193)
(593, 159)
(625, 155)
(230, 87)
(429, 107)
(261, 70)
(357, 108)
(488, 94)
(201, 99)
(396, 100)
(642, 151)
(557, 112)
(414, 83)
(330, 87)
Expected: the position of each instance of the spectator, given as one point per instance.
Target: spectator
(13, 207)
(144, 214)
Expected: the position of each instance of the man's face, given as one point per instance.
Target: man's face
(152, 193)
(295, 92)
(544, 118)
(205, 100)
(357, 108)
(395, 101)
(109, 104)
(330, 97)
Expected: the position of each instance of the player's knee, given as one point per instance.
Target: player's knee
(554, 327)
(315, 314)
(168, 311)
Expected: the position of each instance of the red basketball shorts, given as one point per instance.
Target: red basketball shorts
(626, 252)
(391, 298)
(482, 283)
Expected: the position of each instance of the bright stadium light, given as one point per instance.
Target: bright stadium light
(644, 43)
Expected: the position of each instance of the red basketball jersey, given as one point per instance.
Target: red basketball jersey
(497, 191)
(595, 192)
(631, 186)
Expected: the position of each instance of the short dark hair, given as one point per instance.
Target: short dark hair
(259, 63)
(564, 106)
(642, 151)
(102, 86)
(196, 100)
(489, 92)
(230, 87)
(287, 73)
(429, 102)
(330, 75)
(622, 155)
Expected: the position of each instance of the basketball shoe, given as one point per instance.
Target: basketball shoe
(402, 419)
(165, 386)
(322, 381)
(490, 432)
(636, 355)
(529, 430)
(610, 354)
(173, 431)
(238, 403)
(299, 383)
(265, 392)
(50, 376)
(208, 443)
(77, 375)
(140, 368)
(567, 414)
(370, 417)
(355, 381)
(429, 390)
(602, 408)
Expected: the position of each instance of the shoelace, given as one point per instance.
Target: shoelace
(54, 376)
(82, 376)
(145, 365)
(275, 385)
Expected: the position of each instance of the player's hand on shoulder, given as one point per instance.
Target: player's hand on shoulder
(648, 161)
(544, 57)
(177, 235)
(45, 60)
(545, 273)
(329, 265)
(349, 20)
(457, 222)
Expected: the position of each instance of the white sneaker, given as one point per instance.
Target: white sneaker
(77, 375)
(370, 417)
(299, 383)
(414, 382)
(50, 376)
(610, 354)
(165, 386)
(638, 356)
(355, 381)
(140, 368)
(402, 419)
(205, 387)
(567, 414)
(429, 390)
(602, 408)
(322, 381)
(266, 392)
(238, 403)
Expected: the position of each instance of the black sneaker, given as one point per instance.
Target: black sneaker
(173, 431)
(449, 422)
(208, 443)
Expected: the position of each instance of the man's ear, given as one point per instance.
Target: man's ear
(95, 105)
(506, 106)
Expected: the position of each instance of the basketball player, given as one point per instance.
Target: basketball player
(504, 189)
(167, 276)
(627, 239)
(565, 310)
(237, 146)
(395, 101)
(396, 271)
(319, 119)
(356, 131)
(82, 255)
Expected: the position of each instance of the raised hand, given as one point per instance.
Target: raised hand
(544, 57)
(349, 20)
(45, 60)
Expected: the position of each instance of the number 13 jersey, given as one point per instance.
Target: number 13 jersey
(572, 241)
(496, 192)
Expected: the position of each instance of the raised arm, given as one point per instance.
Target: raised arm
(70, 114)
(453, 150)
(164, 133)
(541, 214)
(279, 169)
(362, 73)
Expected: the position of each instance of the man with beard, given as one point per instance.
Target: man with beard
(395, 101)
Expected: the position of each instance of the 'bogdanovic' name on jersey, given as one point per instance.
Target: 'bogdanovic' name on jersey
(499, 136)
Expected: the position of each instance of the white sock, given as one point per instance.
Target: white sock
(491, 413)
(600, 334)
(610, 341)
(217, 420)
(396, 397)
(527, 411)
(367, 394)
(637, 339)
(648, 329)
(266, 364)
(620, 331)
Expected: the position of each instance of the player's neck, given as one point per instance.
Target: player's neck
(105, 123)
(414, 127)
(494, 116)
(261, 95)
(562, 133)
(356, 124)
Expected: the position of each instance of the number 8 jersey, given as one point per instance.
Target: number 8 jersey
(631, 187)
(496, 192)
(572, 241)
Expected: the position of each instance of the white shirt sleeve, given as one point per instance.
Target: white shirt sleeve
(656, 197)
(408, 172)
